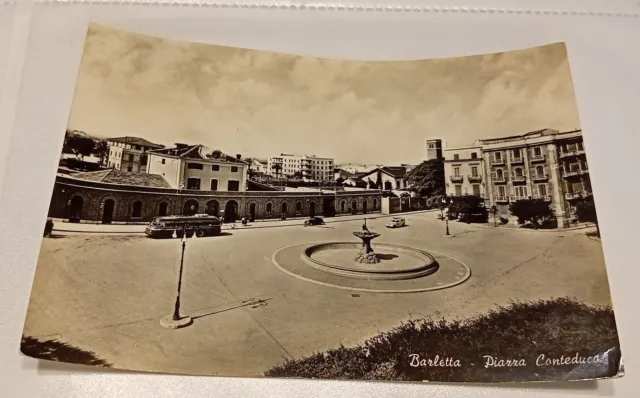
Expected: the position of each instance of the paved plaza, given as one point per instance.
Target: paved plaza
(106, 294)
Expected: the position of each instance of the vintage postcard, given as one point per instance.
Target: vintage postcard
(234, 212)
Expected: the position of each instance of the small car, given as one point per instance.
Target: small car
(314, 221)
(396, 222)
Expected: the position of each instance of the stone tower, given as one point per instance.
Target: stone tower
(434, 149)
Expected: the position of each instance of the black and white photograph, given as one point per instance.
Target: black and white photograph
(229, 211)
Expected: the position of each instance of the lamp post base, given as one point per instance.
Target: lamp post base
(167, 322)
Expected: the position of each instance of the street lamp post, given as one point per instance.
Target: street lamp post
(175, 321)
(446, 202)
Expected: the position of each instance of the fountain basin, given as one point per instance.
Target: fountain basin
(396, 262)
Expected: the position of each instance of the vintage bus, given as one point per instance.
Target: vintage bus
(199, 224)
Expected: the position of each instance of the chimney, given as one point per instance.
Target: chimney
(239, 156)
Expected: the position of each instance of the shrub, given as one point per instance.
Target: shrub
(520, 330)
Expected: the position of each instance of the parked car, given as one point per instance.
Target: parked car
(396, 222)
(314, 221)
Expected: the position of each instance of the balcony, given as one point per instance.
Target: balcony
(574, 173)
(514, 160)
(518, 178)
(576, 195)
(516, 198)
(546, 198)
(537, 158)
(501, 199)
(568, 154)
(456, 178)
(539, 177)
(474, 179)
(497, 162)
(499, 180)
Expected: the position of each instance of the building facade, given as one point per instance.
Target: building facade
(434, 149)
(386, 178)
(544, 164)
(199, 168)
(129, 153)
(308, 167)
(97, 197)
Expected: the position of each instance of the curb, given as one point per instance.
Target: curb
(250, 226)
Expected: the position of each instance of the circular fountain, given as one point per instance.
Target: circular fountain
(390, 268)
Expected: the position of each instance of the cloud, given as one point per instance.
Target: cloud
(262, 103)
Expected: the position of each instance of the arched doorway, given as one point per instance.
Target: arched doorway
(75, 209)
(136, 210)
(312, 209)
(107, 211)
(283, 210)
(354, 207)
(343, 206)
(364, 206)
(375, 203)
(231, 211)
(213, 208)
(252, 211)
(190, 207)
(163, 209)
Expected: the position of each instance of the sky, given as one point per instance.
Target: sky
(261, 104)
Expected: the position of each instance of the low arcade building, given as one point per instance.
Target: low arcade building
(114, 196)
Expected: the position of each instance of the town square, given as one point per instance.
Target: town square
(249, 316)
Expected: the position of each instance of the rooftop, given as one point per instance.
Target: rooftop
(136, 141)
(200, 152)
(113, 176)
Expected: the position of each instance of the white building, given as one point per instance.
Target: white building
(308, 167)
(199, 168)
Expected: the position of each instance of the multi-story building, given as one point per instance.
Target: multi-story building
(196, 167)
(129, 153)
(464, 171)
(543, 164)
(308, 167)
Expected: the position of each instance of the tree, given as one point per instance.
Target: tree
(79, 146)
(277, 167)
(427, 179)
(586, 211)
(297, 175)
(532, 210)
(468, 205)
(250, 171)
(100, 150)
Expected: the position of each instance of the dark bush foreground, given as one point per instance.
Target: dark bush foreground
(57, 351)
(554, 328)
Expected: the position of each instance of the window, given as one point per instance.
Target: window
(164, 161)
(474, 155)
(194, 166)
(521, 191)
(215, 167)
(299, 208)
(130, 169)
(497, 156)
(458, 190)
(398, 186)
(502, 191)
(540, 171)
(214, 184)
(517, 172)
(456, 171)
(542, 190)
(499, 173)
(268, 209)
(193, 183)
(516, 153)
(431, 146)
(234, 169)
(537, 151)
(131, 157)
(456, 157)
(476, 190)
(233, 185)
(474, 171)
(136, 211)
